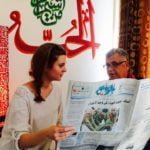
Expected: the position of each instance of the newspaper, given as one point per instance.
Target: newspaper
(111, 113)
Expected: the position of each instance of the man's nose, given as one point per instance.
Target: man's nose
(110, 68)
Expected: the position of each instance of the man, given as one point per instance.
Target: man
(117, 65)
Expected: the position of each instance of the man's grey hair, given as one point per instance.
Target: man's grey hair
(119, 51)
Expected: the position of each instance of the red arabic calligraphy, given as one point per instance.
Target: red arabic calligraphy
(19, 42)
(47, 35)
(80, 40)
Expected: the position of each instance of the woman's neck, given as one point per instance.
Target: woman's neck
(46, 89)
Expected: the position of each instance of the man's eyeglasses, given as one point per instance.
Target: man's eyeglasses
(114, 64)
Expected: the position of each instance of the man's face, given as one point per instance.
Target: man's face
(117, 66)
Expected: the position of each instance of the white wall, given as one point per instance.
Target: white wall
(82, 67)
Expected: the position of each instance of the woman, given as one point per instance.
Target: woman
(35, 113)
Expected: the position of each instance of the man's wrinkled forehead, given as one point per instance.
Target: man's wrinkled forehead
(116, 57)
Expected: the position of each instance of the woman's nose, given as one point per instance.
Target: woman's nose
(65, 69)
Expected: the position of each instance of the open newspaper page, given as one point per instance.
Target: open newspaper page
(100, 111)
(139, 130)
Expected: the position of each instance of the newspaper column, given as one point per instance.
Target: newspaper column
(3, 74)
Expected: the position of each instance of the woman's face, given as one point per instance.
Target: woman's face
(58, 69)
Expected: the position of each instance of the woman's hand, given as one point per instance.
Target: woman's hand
(56, 133)
(59, 133)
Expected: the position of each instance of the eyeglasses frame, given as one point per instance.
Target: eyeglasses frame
(114, 64)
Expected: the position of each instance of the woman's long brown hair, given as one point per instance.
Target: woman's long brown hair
(44, 57)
